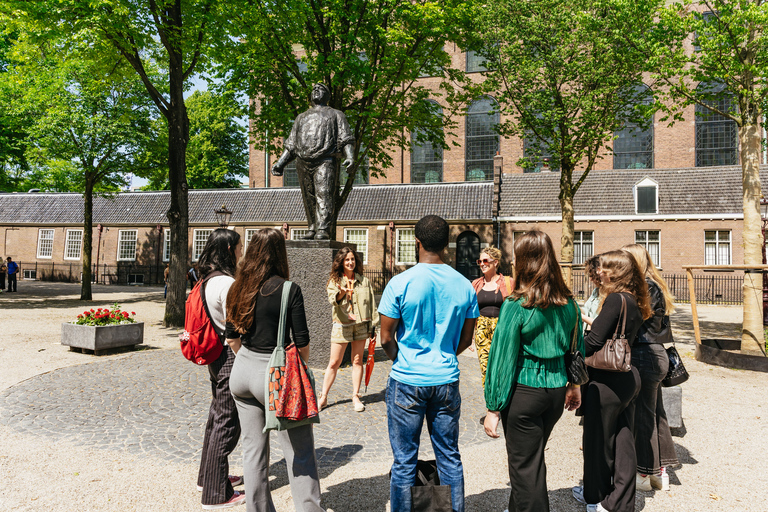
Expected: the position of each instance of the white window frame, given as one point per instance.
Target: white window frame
(247, 238)
(578, 239)
(647, 243)
(167, 244)
(45, 250)
(718, 243)
(348, 240)
(122, 240)
(647, 183)
(72, 241)
(400, 241)
(296, 233)
(198, 242)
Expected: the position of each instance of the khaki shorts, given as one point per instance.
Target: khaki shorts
(348, 333)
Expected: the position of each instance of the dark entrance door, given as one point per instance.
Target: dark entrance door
(467, 254)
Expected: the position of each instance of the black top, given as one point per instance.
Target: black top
(262, 335)
(656, 328)
(489, 303)
(604, 325)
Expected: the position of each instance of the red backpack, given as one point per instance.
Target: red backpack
(201, 342)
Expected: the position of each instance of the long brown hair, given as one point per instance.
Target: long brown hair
(337, 268)
(624, 276)
(538, 278)
(650, 271)
(265, 257)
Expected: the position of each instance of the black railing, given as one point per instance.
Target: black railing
(124, 274)
(379, 279)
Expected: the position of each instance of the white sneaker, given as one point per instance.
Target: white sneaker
(643, 483)
(661, 481)
(596, 507)
(578, 494)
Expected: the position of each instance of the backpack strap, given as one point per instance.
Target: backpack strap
(202, 284)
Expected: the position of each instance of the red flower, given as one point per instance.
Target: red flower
(133, 312)
(91, 310)
(79, 316)
(87, 313)
(125, 314)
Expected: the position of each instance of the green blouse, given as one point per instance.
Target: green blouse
(528, 348)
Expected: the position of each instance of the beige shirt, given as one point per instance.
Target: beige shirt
(362, 307)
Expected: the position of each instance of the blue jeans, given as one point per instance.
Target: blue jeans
(406, 408)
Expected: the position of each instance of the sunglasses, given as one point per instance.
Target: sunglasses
(485, 262)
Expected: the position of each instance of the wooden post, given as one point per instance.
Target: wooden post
(694, 313)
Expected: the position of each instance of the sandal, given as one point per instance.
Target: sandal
(322, 402)
(359, 406)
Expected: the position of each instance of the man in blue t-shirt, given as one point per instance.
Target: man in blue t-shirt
(13, 271)
(428, 315)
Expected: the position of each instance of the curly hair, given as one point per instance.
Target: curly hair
(493, 252)
(432, 232)
(538, 278)
(624, 275)
(337, 268)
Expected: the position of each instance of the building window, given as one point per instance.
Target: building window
(406, 246)
(166, 244)
(583, 247)
(651, 240)
(535, 152)
(475, 62)
(633, 145)
(717, 136)
(247, 239)
(482, 141)
(126, 245)
(359, 237)
(45, 243)
(427, 157)
(647, 197)
(74, 244)
(717, 247)
(199, 241)
(362, 174)
(298, 233)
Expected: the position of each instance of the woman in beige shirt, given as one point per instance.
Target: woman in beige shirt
(354, 319)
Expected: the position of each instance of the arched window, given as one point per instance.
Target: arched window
(290, 176)
(482, 140)
(427, 157)
(717, 136)
(633, 145)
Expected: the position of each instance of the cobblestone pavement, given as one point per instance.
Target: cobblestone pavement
(155, 402)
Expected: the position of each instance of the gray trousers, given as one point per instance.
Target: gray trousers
(298, 444)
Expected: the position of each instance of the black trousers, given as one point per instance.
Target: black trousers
(528, 421)
(2, 281)
(221, 434)
(608, 404)
(11, 282)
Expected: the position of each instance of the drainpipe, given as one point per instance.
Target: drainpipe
(98, 250)
(391, 247)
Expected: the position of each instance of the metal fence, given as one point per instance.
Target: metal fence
(379, 279)
(125, 274)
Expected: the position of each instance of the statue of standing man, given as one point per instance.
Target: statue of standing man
(319, 136)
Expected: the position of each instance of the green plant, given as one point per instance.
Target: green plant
(106, 316)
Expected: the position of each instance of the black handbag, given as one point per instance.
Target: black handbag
(428, 495)
(575, 367)
(677, 373)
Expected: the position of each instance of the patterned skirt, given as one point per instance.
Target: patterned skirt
(483, 337)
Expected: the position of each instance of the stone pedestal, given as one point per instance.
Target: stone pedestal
(673, 405)
(310, 265)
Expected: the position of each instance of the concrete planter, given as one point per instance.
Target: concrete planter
(101, 337)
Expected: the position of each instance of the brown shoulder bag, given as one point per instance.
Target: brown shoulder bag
(616, 355)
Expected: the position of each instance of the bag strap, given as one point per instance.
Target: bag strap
(283, 312)
(623, 313)
(575, 326)
(509, 286)
(202, 284)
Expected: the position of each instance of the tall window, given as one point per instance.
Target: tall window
(166, 244)
(247, 240)
(359, 237)
(74, 244)
(126, 244)
(633, 145)
(406, 246)
(647, 197)
(717, 137)
(426, 157)
(475, 62)
(298, 233)
(717, 247)
(482, 140)
(651, 240)
(535, 152)
(291, 175)
(198, 244)
(45, 243)
(583, 247)
(362, 174)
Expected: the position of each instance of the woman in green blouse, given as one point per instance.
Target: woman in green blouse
(526, 386)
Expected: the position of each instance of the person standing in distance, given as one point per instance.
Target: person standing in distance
(319, 135)
(428, 314)
(13, 271)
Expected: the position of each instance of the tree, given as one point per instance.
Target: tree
(13, 165)
(566, 80)
(729, 55)
(369, 53)
(174, 35)
(87, 117)
(217, 154)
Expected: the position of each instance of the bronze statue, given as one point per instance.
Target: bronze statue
(318, 137)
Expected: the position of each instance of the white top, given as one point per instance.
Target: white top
(216, 289)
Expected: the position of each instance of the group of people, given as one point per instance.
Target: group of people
(11, 269)
(522, 327)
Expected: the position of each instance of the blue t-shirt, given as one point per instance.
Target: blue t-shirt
(432, 302)
(12, 267)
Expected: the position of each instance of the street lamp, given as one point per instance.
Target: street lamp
(222, 216)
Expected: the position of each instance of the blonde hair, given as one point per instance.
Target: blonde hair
(650, 271)
(493, 252)
(624, 276)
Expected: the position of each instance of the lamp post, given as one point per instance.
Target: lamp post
(222, 216)
(764, 208)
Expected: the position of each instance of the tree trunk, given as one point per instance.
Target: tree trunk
(85, 287)
(752, 336)
(566, 237)
(178, 213)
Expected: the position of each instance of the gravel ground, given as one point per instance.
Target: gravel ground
(722, 447)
